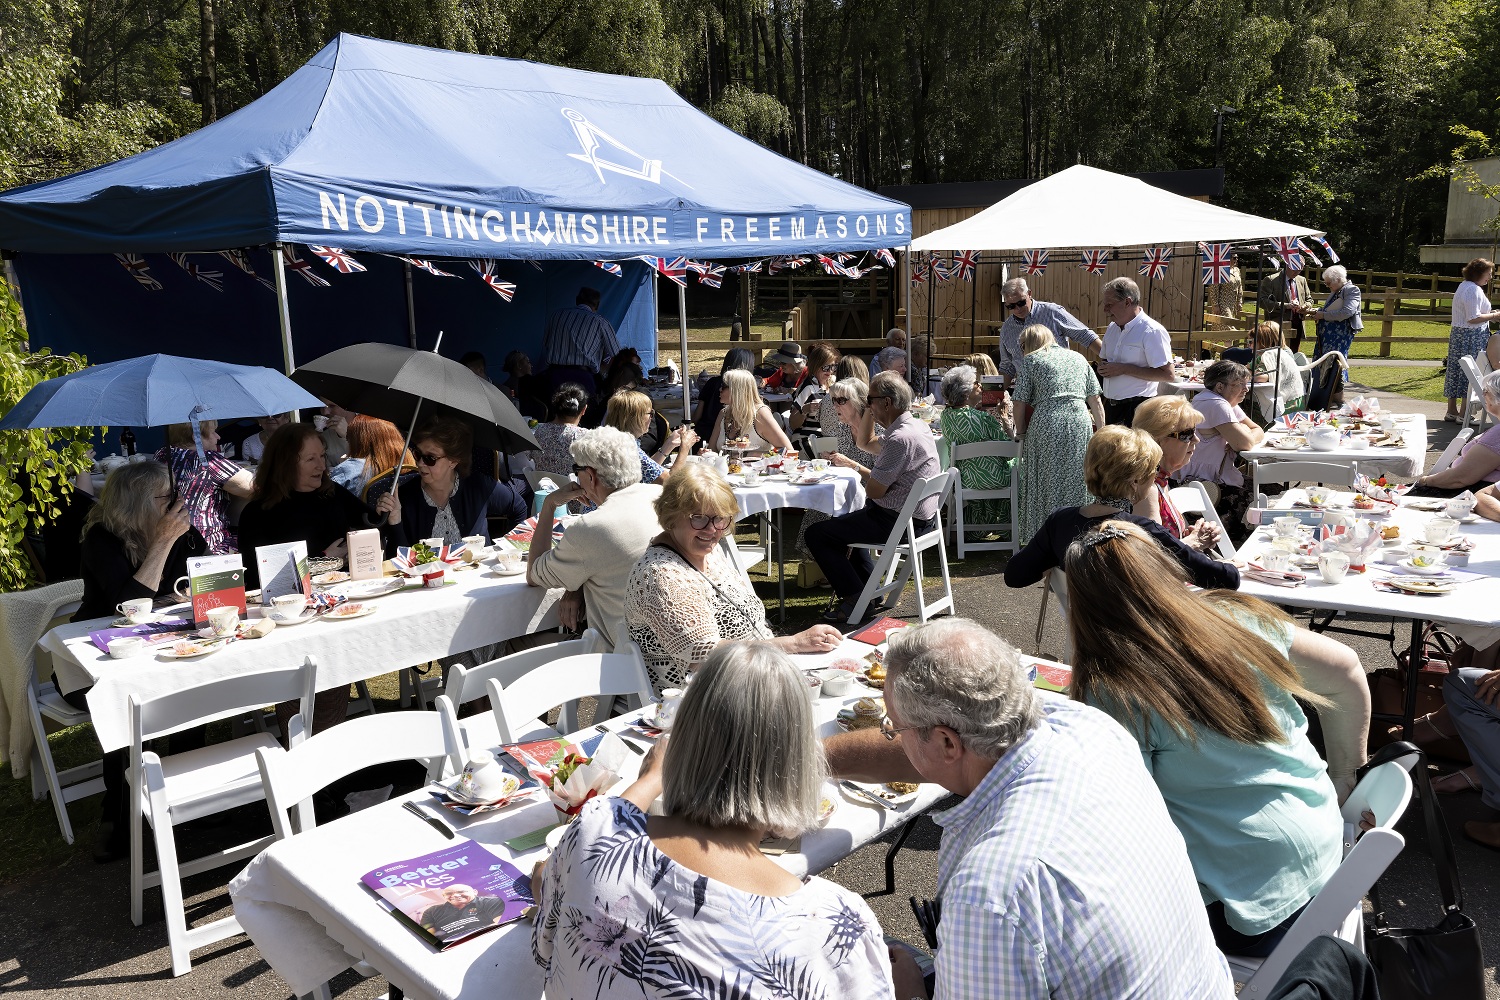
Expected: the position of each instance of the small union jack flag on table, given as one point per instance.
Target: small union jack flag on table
(1036, 261)
(340, 260)
(1155, 263)
(1094, 260)
(486, 268)
(1217, 262)
(674, 270)
(964, 265)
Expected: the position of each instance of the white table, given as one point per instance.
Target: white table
(1406, 461)
(303, 904)
(409, 627)
(1186, 388)
(1472, 612)
(840, 493)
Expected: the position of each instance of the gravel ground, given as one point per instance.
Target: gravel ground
(68, 931)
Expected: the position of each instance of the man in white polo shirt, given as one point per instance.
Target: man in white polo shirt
(1137, 354)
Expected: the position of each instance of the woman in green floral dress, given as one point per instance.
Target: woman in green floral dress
(964, 422)
(1057, 411)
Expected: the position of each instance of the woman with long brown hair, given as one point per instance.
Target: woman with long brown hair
(1209, 684)
(379, 446)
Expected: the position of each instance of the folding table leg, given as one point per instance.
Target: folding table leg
(1413, 662)
(890, 856)
(780, 567)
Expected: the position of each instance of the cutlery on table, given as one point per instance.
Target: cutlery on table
(430, 820)
(638, 751)
(866, 793)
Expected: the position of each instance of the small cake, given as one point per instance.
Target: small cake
(1362, 502)
(1390, 531)
(902, 787)
(738, 444)
(867, 713)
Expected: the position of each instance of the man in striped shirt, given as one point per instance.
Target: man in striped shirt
(578, 342)
(1060, 874)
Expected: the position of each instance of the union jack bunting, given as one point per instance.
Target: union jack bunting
(1288, 250)
(940, 268)
(1308, 250)
(213, 279)
(1154, 264)
(835, 266)
(340, 260)
(1333, 258)
(753, 267)
(486, 268)
(1036, 261)
(1094, 260)
(712, 276)
(294, 263)
(428, 266)
(698, 266)
(610, 266)
(241, 260)
(918, 272)
(674, 270)
(964, 265)
(796, 262)
(1217, 262)
(886, 257)
(139, 270)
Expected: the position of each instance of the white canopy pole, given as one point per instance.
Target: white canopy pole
(687, 389)
(283, 311)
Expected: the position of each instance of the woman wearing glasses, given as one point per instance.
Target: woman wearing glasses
(447, 500)
(1170, 421)
(807, 405)
(686, 596)
(1225, 432)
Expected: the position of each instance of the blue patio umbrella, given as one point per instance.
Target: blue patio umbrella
(156, 390)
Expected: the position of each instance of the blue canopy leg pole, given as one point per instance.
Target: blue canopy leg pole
(687, 389)
(411, 309)
(283, 311)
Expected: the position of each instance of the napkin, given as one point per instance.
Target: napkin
(592, 777)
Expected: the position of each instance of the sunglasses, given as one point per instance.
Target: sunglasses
(839, 400)
(716, 521)
(1016, 305)
(428, 460)
(829, 368)
(878, 395)
(1184, 436)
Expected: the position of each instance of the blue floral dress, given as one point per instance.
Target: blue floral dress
(616, 917)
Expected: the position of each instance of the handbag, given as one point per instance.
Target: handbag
(1444, 960)
(1441, 653)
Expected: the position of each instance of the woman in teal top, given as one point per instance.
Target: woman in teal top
(1205, 685)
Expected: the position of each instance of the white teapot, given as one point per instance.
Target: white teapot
(1323, 438)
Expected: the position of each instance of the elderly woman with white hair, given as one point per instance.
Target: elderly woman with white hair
(965, 422)
(1057, 411)
(685, 903)
(1478, 464)
(890, 359)
(1339, 320)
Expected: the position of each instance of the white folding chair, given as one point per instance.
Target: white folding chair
(535, 477)
(1335, 910)
(962, 494)
(583, 675)
(467, 684)
(71, 784)
(1326, 473)
(1193, 499)
(1054, 583)
(1474, 398)
(1450, 453)
(884, 580)
(167, 791)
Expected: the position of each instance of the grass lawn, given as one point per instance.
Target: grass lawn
(1418, 383)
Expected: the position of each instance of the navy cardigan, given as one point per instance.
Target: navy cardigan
(478, 499)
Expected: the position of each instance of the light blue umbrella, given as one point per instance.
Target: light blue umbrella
(156, 390)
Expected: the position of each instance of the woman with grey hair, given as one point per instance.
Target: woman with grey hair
(1339, 320)
(890, 359)
(964, 421)
(689, 893)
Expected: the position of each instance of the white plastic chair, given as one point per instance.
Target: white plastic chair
(466, 684)
(72, 784)
(884, 579)
(290, 777)
(1055, 584)
(961, 494)
(583, 675)
(1335, 910)
(187, 786)
(1450, 453)
(1475, 396)
(1327, 473)
(1193, 499)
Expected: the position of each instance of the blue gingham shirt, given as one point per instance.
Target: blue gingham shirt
(579, 337)
(1062, 876)
(1067, 328)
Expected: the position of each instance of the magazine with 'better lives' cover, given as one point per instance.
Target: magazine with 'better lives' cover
(451, 895)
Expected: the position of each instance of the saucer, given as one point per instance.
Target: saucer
(1437, 570)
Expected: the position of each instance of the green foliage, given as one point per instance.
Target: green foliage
(757, 116)
(48, 459)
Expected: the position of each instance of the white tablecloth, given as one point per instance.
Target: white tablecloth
(1406, 461)
(303, 904)
(841, 493)
(1472, 611)
(409, 627)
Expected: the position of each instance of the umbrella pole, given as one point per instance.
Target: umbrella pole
(687, 389)
(412, 427)
(283, 310)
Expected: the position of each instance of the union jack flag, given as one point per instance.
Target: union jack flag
(610, 266)
(835, 266)
(1217, 262)
(918, 272)
(213, 279)
(711, 275)
(1289, 250)
(1154, 264)
(1094, 260)
(1036, 261)
(1308, 250)
(340, 260)
(291, 260)
(940, 269)
(139, 270)
(241, 260)
(428, 266)
(674, 270)
(1333, 258)
(486, 268)
(886, 257)
(964, 265)
(753, 267)
(796, 262)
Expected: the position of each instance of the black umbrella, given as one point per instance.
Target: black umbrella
(397, 383)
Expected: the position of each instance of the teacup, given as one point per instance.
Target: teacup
(1275, 560)
(1427, 556)
(474, 542)
(435, 544)
(666, 712)
(814, 685)
(1439, 529)
(1358, 443)
(288, 606)
(819, 464)
(1332, 566)
(136, 610)
(1459, 509)
(752, 475)
(483, 779)
(320, 422)
(1317, 496)
(125, 645)
(1388, 424)
(224, 621)
(1286, 527)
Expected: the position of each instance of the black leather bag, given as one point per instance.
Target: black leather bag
(1444, 960)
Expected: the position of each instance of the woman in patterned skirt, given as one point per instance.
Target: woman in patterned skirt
(1057, 411)
(1339, 321)
(1470, 333)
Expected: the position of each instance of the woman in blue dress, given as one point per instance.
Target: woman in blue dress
(1339, 320)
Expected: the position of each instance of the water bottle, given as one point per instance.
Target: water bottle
(127, 442)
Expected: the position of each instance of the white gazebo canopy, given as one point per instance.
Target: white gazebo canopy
(1084, 207)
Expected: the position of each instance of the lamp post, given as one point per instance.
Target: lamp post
(1219, 113)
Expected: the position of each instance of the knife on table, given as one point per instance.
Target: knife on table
(431, 821)
(866, 793)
